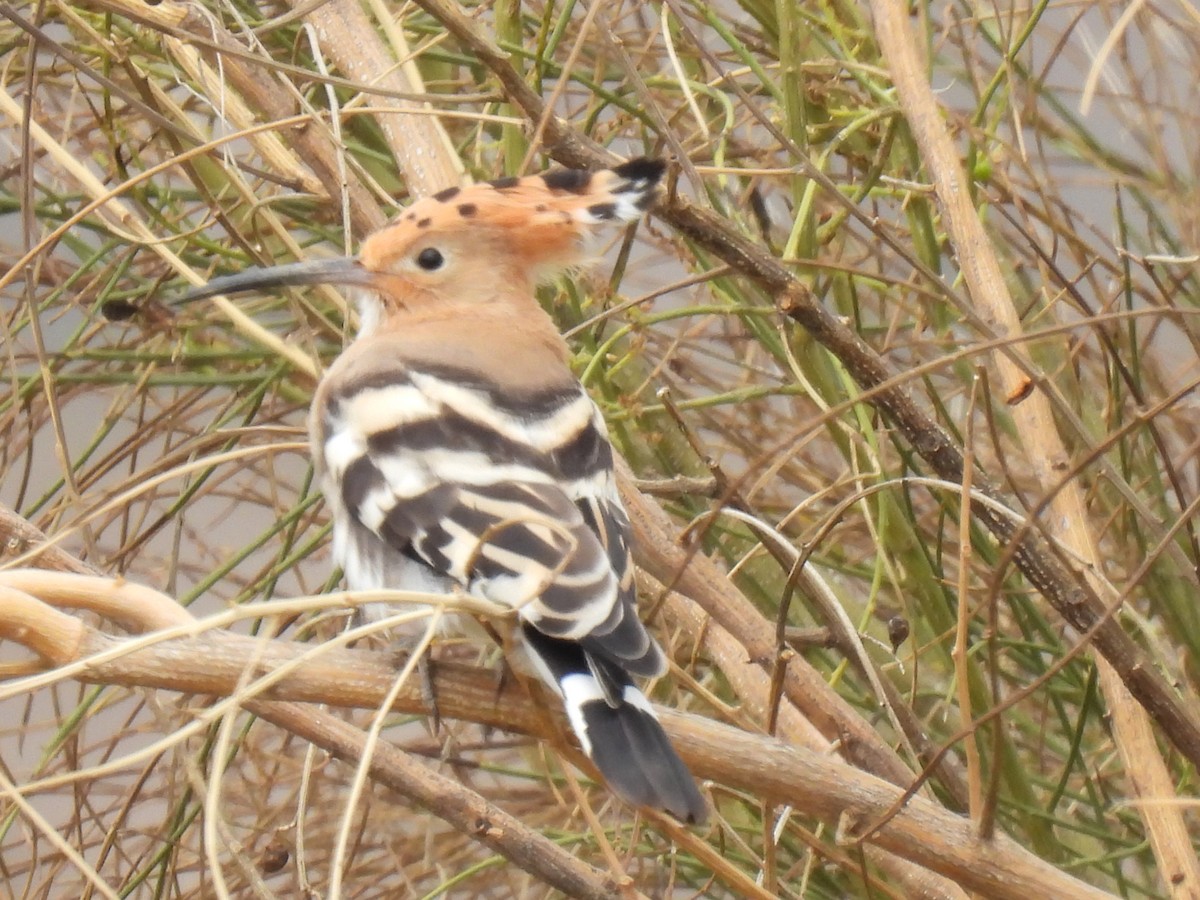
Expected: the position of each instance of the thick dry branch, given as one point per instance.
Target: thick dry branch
(817, 783)
(447, 799)
(216, 663)
(1033, 553)
(419, 141)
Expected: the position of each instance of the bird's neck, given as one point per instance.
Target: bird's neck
(453, 333)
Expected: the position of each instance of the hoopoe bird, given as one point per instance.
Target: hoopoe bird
(457, 450)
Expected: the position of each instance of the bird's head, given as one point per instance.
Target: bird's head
(476, 244)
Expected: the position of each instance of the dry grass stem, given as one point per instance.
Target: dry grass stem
(903, 367)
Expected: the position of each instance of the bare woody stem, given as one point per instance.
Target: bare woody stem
(218, 662)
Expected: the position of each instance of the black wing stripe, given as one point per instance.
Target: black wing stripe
(450, 431)
(515, 498)
(431, 548)
(609, 523)
(410, 516)
(533, 403)
(522, 405)
(580, 455)
(359, 480)
(583, 455)
(513, 538)
(629, 644)
(563, 603)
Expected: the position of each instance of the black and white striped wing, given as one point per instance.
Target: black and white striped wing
(510, 497)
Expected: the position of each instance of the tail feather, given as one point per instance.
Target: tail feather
(634, 755)
(623, 739)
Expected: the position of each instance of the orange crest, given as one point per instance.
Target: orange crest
(536, 223)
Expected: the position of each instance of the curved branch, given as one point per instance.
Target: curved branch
(217, 663)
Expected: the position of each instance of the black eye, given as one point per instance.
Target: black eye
(430, 259)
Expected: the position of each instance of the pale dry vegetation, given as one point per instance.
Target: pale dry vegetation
(1020, 268)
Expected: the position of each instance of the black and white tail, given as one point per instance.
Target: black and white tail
(617, 729)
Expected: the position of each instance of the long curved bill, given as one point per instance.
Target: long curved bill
(343, 270)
